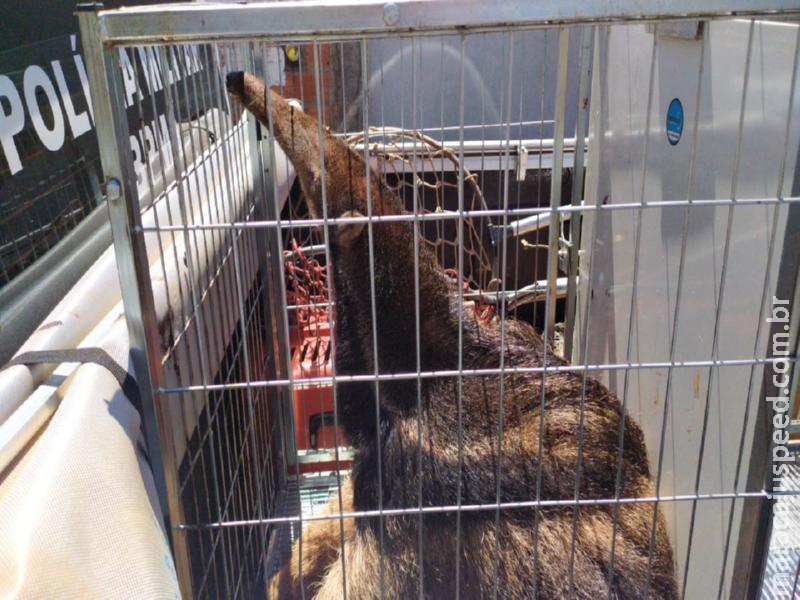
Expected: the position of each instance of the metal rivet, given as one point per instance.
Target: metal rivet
(391, 13)
(113, 189)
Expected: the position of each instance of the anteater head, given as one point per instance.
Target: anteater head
(234, 82)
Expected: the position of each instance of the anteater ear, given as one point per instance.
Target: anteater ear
(347, 233)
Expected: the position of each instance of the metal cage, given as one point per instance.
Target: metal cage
(539, 150)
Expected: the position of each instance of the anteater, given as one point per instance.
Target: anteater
(414, 434)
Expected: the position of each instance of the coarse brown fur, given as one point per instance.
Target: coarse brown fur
(418, 451)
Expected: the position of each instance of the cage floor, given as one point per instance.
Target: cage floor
(784, 545)
(308, 497)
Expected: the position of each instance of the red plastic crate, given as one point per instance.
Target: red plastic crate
(313, 403)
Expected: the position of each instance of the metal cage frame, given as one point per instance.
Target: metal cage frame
(313, 21)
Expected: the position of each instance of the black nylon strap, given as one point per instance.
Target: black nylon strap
(97, 356)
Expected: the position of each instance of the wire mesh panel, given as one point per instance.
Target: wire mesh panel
(207, 295)
(213, 330)
(395, 346)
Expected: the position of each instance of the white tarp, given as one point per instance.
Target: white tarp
(79, 516)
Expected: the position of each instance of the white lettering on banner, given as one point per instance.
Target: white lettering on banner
(128, 79)
(11, 122)
(148, 147)
(39, 92)
(36, 78)
(81, 68)
(152, 76)
(78, 124)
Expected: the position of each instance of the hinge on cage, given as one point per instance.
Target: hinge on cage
(522, 162)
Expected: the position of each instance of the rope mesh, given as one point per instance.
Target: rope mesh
(408, 160)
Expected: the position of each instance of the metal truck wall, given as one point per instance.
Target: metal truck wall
(486, 60)
(625, 146)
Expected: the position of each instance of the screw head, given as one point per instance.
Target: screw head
(391, 13)
(113, 189)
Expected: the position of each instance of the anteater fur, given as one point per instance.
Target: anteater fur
(419, 449)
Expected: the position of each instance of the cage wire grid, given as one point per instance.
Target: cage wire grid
(236, 274)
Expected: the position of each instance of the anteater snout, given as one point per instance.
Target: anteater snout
(234, 82)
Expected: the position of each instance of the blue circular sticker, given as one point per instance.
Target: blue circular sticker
(674, 121)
